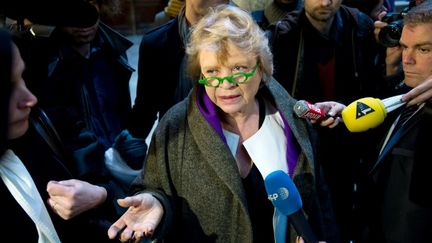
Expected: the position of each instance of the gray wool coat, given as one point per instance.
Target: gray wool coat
(193, 173)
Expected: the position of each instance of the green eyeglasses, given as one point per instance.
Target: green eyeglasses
(236, 78)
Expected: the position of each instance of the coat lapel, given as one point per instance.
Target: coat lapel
(211, 146)
(298, 126)
(394, 139)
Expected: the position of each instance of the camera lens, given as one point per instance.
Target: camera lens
(390, 34)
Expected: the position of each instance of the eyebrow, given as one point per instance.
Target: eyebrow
(425, 43)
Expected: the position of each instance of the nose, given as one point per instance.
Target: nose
(408, 57)
(28, 99)
(326, 3)
(226, 84)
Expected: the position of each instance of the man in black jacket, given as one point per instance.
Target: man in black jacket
(327, 51)
(162, 79)
(400, 196)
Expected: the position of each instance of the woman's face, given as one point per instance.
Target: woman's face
(21, 99)
(232, 99)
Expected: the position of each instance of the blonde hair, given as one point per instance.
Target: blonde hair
(223, 25)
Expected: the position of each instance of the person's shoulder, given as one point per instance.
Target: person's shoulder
(285, 26)
(363, 22)
(114, 38)
(161, 30)
(173, 121)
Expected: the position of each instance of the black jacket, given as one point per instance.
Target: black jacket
(61, 78)
(298, 47)
(400, 201)
(299, 50)
(45, 165)
(160, 55)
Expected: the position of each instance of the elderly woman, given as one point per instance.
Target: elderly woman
(203, 180)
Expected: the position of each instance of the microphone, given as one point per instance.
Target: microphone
(304, 109)
(366, 113)
(285, 197)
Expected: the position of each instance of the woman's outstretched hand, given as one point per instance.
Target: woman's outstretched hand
(141, 219)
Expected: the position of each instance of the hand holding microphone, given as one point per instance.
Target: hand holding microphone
(366, 113)
(327, 113)
(306, 110)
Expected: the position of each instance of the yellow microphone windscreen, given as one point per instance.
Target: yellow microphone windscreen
(364, 114)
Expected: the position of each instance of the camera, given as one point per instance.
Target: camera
(390, 34)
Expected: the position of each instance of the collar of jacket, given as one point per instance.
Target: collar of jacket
(283, 102)
(106, 36)
(336, 29)
(274, 11)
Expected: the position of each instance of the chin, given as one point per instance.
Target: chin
(17, 131)
(412, 83)
(230, 110)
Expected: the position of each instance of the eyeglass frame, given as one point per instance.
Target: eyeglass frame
(230, 79)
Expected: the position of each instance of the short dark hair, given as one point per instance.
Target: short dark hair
(420, 14)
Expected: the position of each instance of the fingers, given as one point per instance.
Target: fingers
(59, 209)
(336, 122)
(378, 25)
(53, 204)
(299, 239)
(126, 235)
(62, 208)
(419, 94)
(52, 187)
(331, 122)
(140, 220)
(56, 188)
(423, 97)
(149, 229)
(332, 108)
(336, 109)
(381, 15)
(410, 96)
(136, 200)
(138, 236)
(116, 228)
(126, 202)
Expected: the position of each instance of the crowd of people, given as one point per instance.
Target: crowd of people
(221, 81)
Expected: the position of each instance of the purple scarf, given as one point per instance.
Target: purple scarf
(209, 112)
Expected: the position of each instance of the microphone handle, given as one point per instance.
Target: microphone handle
(302, 227)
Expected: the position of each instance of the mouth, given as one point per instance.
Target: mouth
(19, 122)
(229, 98)
(324, 12)
(86, 31)
(409, 74)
